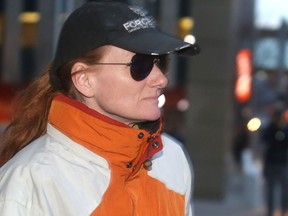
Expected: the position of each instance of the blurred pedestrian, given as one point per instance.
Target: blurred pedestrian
(275, 138)
(240, 143)
(85, 134)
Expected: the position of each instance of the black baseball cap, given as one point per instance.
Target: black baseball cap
(99, 23)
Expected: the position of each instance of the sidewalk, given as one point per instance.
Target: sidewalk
(244, 196)
(236, 203)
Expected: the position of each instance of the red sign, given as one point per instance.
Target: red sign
(243, 84)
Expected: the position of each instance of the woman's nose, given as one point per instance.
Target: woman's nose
(158, 78)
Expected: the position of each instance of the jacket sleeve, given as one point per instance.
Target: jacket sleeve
(14, 192)
(183, 160)
(12, 207)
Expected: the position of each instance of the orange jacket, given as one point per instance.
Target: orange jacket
(112, 175)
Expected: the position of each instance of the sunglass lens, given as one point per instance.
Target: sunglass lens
(162, 63)
(141, 66)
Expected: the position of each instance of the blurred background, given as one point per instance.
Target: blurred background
(217, 104)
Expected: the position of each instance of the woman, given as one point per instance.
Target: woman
(85, 134)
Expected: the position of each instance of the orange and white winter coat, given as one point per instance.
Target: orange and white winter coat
(88, 164)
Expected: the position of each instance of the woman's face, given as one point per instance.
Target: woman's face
(118, 96)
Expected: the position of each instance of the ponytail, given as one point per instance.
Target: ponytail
(30, 115)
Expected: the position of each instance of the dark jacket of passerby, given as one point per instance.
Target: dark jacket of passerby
(276, 140)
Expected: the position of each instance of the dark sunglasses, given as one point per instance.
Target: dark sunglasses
(141, 65)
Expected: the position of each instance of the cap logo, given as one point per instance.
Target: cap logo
(141, 23)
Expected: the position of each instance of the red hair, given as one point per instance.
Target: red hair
(31, 107)
(29, 117)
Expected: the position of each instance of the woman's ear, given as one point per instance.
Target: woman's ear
(82, 80)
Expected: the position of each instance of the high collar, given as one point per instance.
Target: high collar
(122, 146)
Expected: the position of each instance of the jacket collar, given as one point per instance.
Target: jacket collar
(122, 146)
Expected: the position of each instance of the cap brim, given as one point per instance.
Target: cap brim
(155, 43)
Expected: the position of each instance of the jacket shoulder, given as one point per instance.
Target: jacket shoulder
(172, 165)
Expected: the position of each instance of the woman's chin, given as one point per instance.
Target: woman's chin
(152, 116)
